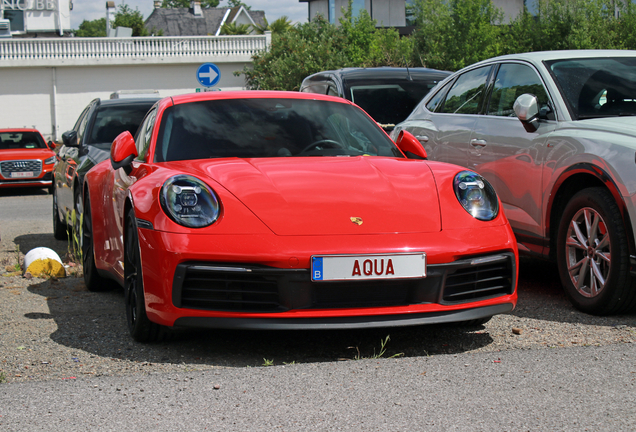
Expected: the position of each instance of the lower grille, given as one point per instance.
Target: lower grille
(248, 288)
(17, 166)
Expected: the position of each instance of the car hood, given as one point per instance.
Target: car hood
(624, 125)
(330, 196)
(19, 154)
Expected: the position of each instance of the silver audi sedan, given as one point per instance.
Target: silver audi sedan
(555, 134)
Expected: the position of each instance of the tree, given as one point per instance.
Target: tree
(452, 34)
(235, 29)
(281, 25)
(94, 28)
(186, 3)
(126, 17)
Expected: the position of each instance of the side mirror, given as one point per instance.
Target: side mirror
(123, 152)
(69, 138)
(526, 108)
(51, 145)
(410, 145)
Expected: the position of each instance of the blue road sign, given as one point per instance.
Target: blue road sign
(208, 74)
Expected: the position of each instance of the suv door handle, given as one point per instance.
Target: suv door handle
(423, 138)
(478, 142)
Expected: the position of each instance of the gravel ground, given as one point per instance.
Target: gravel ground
(56, 329)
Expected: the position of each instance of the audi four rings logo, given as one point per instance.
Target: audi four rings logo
(20, 164)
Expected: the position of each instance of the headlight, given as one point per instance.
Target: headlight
(476, 195)
(189, 202)
(49, 161)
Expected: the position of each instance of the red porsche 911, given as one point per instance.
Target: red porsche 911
(287, 210)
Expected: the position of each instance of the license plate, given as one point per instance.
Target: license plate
(22, 174)
(368, 267)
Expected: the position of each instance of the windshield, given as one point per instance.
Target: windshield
(597, 87)
(256, 128)
(21, 140)
(110, 121)
(389, 103)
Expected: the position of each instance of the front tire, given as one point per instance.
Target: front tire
(140, 327)
(593, 254)
(59, 228)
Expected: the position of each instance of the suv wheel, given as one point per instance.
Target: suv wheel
(593, 254)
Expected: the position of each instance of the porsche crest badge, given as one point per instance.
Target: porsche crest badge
(356, 220)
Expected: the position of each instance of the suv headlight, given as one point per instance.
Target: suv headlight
(189, 202)
(49, 161)
(476, 195)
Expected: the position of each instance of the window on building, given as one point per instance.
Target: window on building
(16, 18)
(332, 11)
(357, 6)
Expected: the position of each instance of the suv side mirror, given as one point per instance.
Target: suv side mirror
(51, 145)
(526, 108)
(69, 138)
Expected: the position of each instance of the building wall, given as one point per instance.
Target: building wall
(50, 99)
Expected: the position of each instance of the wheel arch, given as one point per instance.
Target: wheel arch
(573, 180)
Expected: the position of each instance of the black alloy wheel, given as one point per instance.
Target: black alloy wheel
(140, 327)
(593, 254)
(59, 228)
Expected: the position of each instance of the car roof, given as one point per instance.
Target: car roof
(7, 130)
(250, 94)
(384, 73)
(539, 56)
(129, 101)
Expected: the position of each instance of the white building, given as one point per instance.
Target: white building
(30, 18)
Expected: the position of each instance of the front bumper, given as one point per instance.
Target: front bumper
(233, 280)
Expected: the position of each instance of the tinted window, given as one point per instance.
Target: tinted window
(467, 93)
(145, 133)
(512, 81)
(21, 140)
(268, 128)
(389, 102)
(435, 103)
(597, 87)
(113, 120)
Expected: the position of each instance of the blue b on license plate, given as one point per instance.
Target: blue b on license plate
(368, 267)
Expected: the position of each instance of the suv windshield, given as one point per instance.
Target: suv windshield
(110, 121)
(597, 87)
(255, 128)
(389, 103)
(21, 140)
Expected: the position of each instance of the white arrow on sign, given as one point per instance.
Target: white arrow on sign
(210, 74)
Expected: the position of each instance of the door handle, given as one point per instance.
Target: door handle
(478, 142)
(422, 138)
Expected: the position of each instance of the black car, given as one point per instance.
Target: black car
(86, 145)
(387, 94)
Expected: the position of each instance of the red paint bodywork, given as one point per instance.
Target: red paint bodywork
(278, 212)
(23, 154)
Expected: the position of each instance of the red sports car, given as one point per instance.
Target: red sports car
(286, 210)
(26, 160)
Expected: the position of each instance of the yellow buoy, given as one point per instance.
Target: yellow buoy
(43, 262)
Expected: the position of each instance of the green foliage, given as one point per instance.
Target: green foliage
(3, 378)
(281, 25)
(452, 34)
(95, 28)
(318, 45)
(186, 3)
(126, 17)
(235, 29)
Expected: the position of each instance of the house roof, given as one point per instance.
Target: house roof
(183, 22)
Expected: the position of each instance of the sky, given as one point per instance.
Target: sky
(94, 9)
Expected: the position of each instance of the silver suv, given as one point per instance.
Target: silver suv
(555, 133)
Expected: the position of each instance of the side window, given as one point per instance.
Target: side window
(512, 81)
(145, 134)
(467, 93)
(80, 126)
(332, 90)
(319, 87)
(435, 103)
